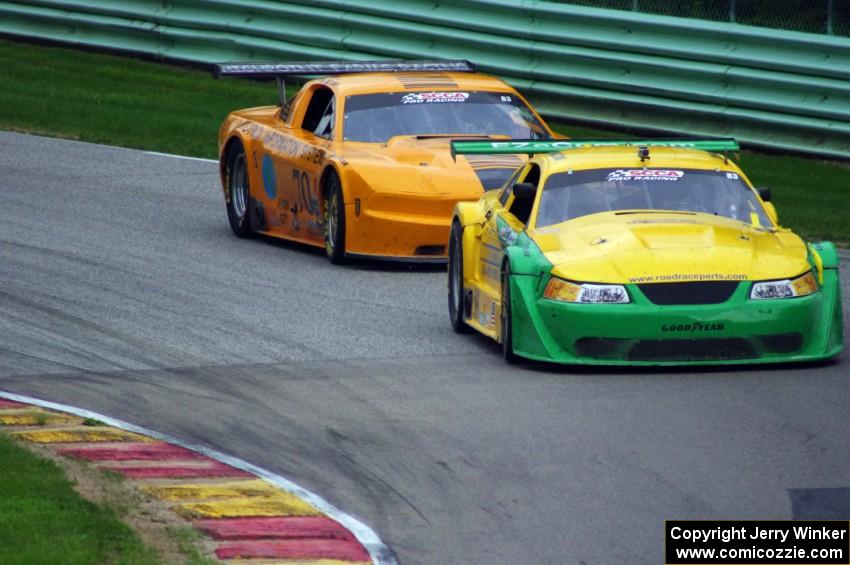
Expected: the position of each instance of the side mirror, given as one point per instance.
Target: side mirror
(771, 212)
(764, 193)
(524, 190)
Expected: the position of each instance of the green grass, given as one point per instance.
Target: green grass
(188, 539)
(118, 100)
(43, 520)
(148, 105)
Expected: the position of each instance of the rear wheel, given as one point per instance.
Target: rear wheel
(238, 195)
(334, 220)
(507, 320)
(456, 279)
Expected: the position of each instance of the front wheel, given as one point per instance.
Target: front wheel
(238, 195)
(456, 309)
(507, 320)
(334, 220)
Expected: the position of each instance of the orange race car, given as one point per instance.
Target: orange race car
(359, 162)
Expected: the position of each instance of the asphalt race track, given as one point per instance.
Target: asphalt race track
(123, 291)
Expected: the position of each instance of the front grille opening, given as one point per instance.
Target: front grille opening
(782, 343)
(430, 250)
(692, 350)
(700, 292)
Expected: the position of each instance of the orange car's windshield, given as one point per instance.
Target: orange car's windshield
(574, 194)
(376, 118)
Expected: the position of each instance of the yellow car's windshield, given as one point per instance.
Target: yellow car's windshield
(573, 194)
(376, 118)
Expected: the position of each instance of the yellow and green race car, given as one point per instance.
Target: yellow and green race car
(638, 252)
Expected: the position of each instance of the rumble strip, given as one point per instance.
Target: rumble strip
(250, 514)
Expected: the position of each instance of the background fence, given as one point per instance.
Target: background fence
(810, 16)
(773, 88)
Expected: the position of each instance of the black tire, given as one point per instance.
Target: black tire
(507, 318)
(237, 191)
(334, 219)
(455, 277)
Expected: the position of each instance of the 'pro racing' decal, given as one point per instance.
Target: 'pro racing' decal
(645, 174)
(434, 97)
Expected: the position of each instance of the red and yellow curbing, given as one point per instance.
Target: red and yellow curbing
(248, 519)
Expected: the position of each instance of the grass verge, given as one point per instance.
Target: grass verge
(146, 105)
(43, 520)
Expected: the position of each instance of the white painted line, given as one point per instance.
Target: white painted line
(157, 153)
(378, 551)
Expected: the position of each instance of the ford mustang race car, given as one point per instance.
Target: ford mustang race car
(358, 162)
(638, 252)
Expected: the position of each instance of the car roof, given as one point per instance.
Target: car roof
(612, 157)
(373, 83)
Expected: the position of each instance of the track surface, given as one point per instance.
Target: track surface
(123, 291)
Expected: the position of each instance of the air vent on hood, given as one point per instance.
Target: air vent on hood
(417, 81)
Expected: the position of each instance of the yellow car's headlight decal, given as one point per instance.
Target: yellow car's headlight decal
(785, 288)
(585, 293)
(559, 289)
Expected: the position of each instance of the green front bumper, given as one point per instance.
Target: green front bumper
(739, 330)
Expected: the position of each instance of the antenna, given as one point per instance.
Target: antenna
(281, 90)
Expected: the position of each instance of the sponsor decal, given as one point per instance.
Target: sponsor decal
(286, 146)
(695, 327)
(434, 97)
(689, 277)
(645, 174)
(492, 313)
(511, 145)
(732, 176)
(323, 68)
(664, 221)
(506, 235)
(269, 177)
(315, 228)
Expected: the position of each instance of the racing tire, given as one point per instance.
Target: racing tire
(237, 191)
(334, 217)
(455, 278)
(507, 318)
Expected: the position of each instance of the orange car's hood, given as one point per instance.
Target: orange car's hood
(668, 247)
(423, 165)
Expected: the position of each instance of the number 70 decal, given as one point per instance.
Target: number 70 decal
(307, 199)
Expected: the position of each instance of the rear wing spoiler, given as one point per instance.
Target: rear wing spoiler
(339, 68)
(534, 146)
(279, 71)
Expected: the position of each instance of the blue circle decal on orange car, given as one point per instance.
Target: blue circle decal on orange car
(269, 178)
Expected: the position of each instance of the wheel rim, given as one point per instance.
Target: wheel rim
(333, 210)
(239, 187)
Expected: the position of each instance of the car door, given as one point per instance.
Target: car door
(299, 164)
(500, 229)
(510, 218)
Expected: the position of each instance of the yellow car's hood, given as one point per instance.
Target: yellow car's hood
(617, 247)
